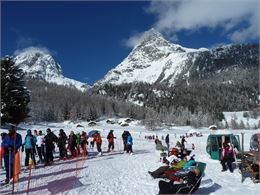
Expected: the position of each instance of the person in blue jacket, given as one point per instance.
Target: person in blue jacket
(11, 144)
(29, 145)
(129, 143)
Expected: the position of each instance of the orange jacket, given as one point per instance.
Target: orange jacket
(98, 139)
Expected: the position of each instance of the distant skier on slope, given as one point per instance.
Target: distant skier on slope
(111, 138)
(124, 137)
(167, 141)
(129, 143)
(183, 143)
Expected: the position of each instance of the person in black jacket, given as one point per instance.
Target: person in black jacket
(49, 140)
(192, 180)
(124, 137)
(167, 141)
(62, 140)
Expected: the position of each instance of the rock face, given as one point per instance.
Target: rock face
(39, 64)
(156, 60)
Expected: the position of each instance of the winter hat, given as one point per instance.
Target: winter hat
(29, 132)
(48, 130)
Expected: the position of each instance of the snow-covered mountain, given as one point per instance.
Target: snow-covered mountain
(153, 60)
(156, 60)
(39, 64)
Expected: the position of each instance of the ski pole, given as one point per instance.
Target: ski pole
(10, 152)
(29, 177)
(0, 157)
(15, 175)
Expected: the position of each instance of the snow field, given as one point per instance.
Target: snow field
(121, 173)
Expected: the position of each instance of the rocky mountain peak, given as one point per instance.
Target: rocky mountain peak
(38, 63)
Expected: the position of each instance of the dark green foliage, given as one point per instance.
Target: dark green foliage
(14, 94)
(51, 102)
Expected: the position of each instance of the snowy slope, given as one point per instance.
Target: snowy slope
(238, 117)
(39, 64)
(119, 173)
(153, 60)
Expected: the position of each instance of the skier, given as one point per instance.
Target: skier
(124, 137)
(183, 143)
(40, 147)
(62, 144)
(11, 145)
(167, 141)
(129, 143)
(111, 138)
(156, 140)
(72, 144)
(193, 146)
(78, 143)
(29, 145)
(84, 143)
(49, 140)
(98, 140)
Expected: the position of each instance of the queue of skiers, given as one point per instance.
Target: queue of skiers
(43, 146)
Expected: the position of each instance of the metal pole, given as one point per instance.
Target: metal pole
(242, 159)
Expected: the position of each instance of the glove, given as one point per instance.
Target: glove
(10, 148)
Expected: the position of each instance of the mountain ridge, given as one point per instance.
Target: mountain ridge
(156, 60)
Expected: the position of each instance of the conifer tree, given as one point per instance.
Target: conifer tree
(14, 94)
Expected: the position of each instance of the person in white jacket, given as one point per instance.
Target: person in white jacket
(40, 147)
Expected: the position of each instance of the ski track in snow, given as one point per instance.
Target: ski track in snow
(120, 173)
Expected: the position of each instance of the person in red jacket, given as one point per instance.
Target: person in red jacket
(227, 156)
(110, 138)
(98, 141)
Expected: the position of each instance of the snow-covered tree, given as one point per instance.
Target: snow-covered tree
(14, 95)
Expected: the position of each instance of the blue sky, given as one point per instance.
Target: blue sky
(90, 38)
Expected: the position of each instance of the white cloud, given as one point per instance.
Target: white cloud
(191, 15)
(133, 40)
(35, 49)
(239, 19)
(23, 41)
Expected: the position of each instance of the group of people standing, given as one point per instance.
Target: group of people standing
(37, 144)
(44, 145)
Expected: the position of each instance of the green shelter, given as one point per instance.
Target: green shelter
(215, 141)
